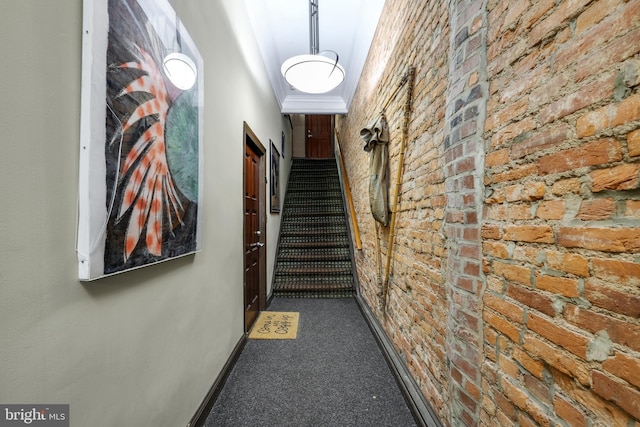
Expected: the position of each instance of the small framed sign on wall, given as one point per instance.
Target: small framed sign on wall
(274, 179)
(141, 163)
(282, 144)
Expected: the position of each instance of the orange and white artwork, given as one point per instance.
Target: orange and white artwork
(141, 149)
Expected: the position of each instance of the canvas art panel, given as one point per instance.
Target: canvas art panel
(141, 157)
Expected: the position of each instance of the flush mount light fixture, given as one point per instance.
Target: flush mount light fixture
(313, 73)
(180, 69)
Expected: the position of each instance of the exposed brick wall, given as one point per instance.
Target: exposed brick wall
(560, 229)
(515, 289)
(417, 34)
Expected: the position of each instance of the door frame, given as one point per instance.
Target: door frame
(250, 139)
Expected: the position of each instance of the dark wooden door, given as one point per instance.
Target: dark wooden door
(253, 234)
(319, 142)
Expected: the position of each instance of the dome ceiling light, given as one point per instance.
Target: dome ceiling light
(313, 73)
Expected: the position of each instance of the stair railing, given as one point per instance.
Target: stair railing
(347, 190)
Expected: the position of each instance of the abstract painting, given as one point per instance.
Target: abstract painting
(141, 139)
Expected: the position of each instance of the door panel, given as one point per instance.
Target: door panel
(254, 250)
(319, 142)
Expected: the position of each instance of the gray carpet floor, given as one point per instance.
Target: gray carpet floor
(333, 374)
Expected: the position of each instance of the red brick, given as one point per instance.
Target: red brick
(598, 37)
(507, 366)
(616, 300)
(558, 285)
(533, 299)
(621, 332)
(536, 10)
(569, 412)
(632, 209)
(495, 249)
(557, 358)
(568, 262)
(513, 273)
(621, 394)
(607, 413)
(531, 72)
(505, 405)
(525, 420)
(509, 212)
(557, 19)
(525, 193)
(513, 15)
(624, 366)
(490, 231)
(609, 116)
(559, 335)
(600, 239)
(502, 325)
(506, 115)
(617, 271)
(527, 254)
(590, 154)
(516, 173)
(578, 99)
(532, 366)
(538, 388)
(503, 307)
(596, 209)
(507, 133)
(497, 158)
(615, 52)
(521, 399)
(467, 400)
(547, 90)
(551, 209)
(564, 186)
(541, 141)
(633, 143)
(473, 390)
(515, 394)
(595, 13)
(529, 233)
(623, 177)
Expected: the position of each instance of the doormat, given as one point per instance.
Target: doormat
(276, 325)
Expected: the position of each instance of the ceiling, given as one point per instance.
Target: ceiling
(281, 28)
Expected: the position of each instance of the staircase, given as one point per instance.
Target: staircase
(313, 259)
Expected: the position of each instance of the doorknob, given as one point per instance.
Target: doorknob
(259, 233)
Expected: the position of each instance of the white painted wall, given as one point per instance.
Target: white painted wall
(299, 135)
(140, 348)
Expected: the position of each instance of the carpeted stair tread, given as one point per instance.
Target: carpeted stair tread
(314, 259)
(315, 254)
(309, 284)
(314, 267)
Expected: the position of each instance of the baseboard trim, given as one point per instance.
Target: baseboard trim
(422, 411)
(205, 407)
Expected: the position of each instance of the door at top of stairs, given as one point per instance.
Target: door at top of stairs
(319, 136)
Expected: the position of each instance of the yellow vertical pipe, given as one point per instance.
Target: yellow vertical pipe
(394, 204)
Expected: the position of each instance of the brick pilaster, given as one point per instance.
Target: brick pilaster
(464, 186)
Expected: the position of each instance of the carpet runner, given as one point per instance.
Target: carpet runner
(313, 260)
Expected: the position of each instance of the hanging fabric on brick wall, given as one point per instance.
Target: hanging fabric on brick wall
(376, 137)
